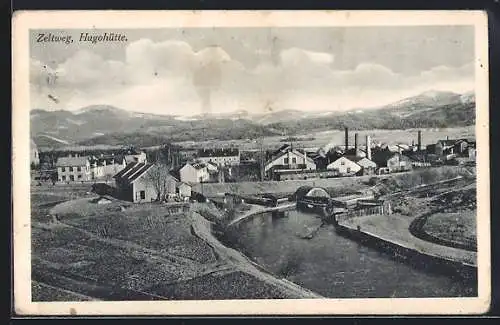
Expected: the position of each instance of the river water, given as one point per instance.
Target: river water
(335, 266)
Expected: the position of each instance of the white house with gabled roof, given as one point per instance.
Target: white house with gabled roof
(289, 159)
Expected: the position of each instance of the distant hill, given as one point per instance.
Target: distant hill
(427, 110)
(100, 124)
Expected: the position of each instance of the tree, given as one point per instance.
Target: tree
(158, 177)
(108, 178)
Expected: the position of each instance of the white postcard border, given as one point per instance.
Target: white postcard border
(24, 21)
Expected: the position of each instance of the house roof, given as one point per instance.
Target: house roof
(184, 183)
(71, 161)
(281, 149)
(418, 157)
(447, 142)
(198, 165)
(133, 171)
(295, 151)
(212, 164)
(219, 152)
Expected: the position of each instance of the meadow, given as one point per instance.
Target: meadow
(336, 137)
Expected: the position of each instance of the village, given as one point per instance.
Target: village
(175, 214)
(136, 175)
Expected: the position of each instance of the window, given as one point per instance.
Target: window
(294, 160)
(63, 169)
(342, 163)
(143, 195)
(348, 169)
(72, 177)
(64, 178)
(71, 169)
(79, 168)
(79, 176)
(285, 161)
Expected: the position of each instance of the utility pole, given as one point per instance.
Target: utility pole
(262, 158)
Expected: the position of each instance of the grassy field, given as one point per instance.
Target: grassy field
(321, 138)
(123, 251)
(459, 227)
(46, 292)
(244, 286)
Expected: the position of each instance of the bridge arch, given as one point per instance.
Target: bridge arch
(310, 191)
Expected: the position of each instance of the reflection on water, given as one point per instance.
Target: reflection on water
(335, 266)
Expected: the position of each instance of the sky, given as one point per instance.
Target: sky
(222, 70)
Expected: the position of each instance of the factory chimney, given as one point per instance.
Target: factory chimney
(346, 139)
(355, 144)
(368, 148)
(419, 140)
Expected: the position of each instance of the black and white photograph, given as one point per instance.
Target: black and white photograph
(233, 157)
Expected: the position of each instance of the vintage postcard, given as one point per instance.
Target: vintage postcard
(250, 162)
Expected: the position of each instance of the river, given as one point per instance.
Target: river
(335, 266)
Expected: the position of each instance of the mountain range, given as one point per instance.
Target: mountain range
(102, 124)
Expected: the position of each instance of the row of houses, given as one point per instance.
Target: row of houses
(209, 165)
(75, 168)
(293, 163)
(290, 161)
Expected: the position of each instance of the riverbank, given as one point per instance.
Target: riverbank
(395, 230)
(202, 228)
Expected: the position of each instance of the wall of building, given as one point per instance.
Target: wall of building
(35, 158)
(72, 174)
(291, 160)
(229, 160)
(149, 193)
(112, 169)
(185, 191)
(344, 166)
(398, 163)
(306, 175)
(125, 191)
(189, 174)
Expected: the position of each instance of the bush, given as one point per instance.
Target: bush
(372, 181)
(103, 189)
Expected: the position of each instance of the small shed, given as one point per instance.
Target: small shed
(184, 189)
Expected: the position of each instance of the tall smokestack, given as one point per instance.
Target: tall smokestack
(419, 140)
(346, 139)
(355, 144)
(368, 147)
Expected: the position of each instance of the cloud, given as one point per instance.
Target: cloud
(170, 77)
(297, 57)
